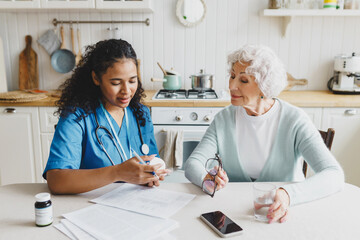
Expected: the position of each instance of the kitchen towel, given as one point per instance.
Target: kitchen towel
(49, 41)
(172, 152)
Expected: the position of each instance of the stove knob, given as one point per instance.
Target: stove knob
(194, 116)
(207, 118)
(178, 118)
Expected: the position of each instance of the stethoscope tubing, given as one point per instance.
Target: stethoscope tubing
(98, 127)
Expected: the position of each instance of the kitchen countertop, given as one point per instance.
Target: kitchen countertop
(297, 98)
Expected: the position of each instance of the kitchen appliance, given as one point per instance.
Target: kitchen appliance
(192, 121)
(346, 79)
(202, 81)
(183, 94)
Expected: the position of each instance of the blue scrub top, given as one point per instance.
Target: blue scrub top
(75, 145)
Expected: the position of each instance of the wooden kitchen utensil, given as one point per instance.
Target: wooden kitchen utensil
(78, 56)
(28, 67)
(293, 81)
(72, 40)
(162, 69)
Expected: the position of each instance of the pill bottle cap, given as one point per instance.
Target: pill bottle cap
(42, 197)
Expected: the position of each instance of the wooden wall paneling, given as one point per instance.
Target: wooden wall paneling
(348, 44)
(190, 54)
(7, 54)
(220, 51)
(138, 41)
(41, 24)
(210, 35)
(14, 49)
(232, 25)
(304, 55)
(326, 58)
(158, 36)
(253, 22)
(127, 28)
(179, 51)
(314, 76)
(148, 52)
(170, 16)
(200, 47)
(293, 59)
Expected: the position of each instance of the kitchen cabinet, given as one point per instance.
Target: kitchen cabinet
(120, 5)
(19, 145)
(67, 4)
(26, 135)
(17, 4)
(346, 122)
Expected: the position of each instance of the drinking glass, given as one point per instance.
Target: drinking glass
(264, 194)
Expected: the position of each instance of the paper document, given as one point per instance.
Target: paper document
(103, 222)
(76, 231)
(150, 201)
(64, 230)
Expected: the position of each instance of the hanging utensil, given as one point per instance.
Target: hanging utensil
(62, 60)
(78, 55)
(28, 67)
(72, 40)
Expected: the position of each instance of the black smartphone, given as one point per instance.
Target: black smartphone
(221, 224)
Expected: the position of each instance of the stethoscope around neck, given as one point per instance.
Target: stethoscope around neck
(144, 147)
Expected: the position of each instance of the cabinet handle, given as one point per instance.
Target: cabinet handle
(10, 110)
(350, 112)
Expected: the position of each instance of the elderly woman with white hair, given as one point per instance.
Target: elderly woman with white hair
(262, 138)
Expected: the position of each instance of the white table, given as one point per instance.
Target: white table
(334, 217)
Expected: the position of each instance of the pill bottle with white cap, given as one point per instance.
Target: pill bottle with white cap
(43, 210)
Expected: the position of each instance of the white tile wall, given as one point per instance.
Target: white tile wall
(307, 51)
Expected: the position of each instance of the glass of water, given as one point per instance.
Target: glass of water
(264, 194)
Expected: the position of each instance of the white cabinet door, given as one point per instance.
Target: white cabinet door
(346, 144)
(20, 160)
(47, 119)
(315, 115)
(135, 6)
(67, 4)
(16, 4)
(46, 139)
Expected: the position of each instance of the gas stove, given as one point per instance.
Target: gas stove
(183, 94)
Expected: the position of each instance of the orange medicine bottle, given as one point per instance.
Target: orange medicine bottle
(43, 210)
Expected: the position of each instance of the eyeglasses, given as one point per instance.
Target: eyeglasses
(212, 166)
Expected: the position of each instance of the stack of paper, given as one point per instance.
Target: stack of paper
(128, 212)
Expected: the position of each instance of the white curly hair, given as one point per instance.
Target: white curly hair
(265, 66)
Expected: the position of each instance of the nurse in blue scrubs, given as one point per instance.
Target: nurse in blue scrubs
(102, 122)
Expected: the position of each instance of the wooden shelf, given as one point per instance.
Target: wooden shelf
(289, 14)
(310, 12)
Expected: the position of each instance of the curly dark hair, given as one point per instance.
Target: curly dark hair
(79, 91)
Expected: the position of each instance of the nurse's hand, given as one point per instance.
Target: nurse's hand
(132, 171)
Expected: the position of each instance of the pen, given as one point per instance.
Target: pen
(142, 161)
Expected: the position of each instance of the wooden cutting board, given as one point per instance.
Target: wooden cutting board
(293, 81)
(28, 67)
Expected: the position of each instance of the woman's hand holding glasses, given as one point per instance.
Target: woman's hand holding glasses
(216, 177)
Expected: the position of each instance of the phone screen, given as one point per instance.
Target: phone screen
(221, 222)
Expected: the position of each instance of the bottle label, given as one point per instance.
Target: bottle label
(43, 216)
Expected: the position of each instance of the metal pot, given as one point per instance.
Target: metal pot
(202, 81)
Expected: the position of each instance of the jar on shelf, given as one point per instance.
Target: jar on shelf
(276, 4)
(351, 4)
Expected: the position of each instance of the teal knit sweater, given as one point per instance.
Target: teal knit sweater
(296, 139)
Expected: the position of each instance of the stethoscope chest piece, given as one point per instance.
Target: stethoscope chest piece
(145, 149)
